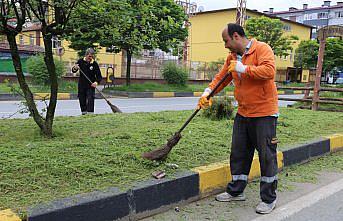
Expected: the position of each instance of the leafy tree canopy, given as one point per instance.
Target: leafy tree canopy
(271, 32)
(131, 25)
(307, 54)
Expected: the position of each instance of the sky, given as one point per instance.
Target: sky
(260, 5)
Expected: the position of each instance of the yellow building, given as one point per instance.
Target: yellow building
(206, 44)
(30, 41)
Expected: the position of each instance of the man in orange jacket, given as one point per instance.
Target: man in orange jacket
(251, 65)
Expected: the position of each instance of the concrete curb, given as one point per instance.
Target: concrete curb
(138, 202)
(43, 96)
(155, 196)
(182, 94)
(72, 96)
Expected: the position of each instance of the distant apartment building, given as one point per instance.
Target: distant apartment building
(317, 17)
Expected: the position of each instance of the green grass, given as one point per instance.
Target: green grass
(63, 87)
(4, 88)
(94, 152)
(154, 87)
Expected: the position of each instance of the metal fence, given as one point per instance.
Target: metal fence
(151, 68)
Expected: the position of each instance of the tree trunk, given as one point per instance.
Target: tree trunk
(22, 82)
(50, 65)
(128, 66)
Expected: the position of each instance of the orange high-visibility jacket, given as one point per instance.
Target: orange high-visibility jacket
(255, 90)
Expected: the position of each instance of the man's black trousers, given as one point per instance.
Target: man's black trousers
(249, 134)
(86, 98)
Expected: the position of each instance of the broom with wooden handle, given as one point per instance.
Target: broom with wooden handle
(162, 153)
(113, 107)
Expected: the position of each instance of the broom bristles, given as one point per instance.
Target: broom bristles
(114, 108)
(162, 153)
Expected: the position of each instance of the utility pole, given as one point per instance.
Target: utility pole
(190, 9)
(241, 12)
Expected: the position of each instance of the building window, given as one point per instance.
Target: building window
(310, 16)
(21, 40)
(32, 39)
(287, 28)
(292, 55)
(322, 15)
(339, 14)
(56, 43)
(300, 19)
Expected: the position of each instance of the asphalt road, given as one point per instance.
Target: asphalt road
(71, 107)
(329, 209)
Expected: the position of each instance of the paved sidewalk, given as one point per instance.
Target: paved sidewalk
(209, 209)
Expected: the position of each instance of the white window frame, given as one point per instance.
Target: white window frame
(21, 40)
(310, 16)
(32, 39)
(56, 43)
(287, 27)
(339, 14)
(323, 15)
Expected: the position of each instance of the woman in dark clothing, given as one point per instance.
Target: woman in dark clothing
(86, 87)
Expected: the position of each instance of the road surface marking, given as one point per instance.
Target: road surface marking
(285, 211)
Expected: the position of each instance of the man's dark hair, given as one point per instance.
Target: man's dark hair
(232, 28)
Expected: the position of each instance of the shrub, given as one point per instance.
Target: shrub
(222, 108)
(174, 74)
(37, 68)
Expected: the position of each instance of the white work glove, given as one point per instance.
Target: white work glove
(203, 102)
(237, 66)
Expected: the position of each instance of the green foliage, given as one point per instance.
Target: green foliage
(307, 54)
(211, 68)
(333, 56)
(221, 108)
(270, 31)
(174, 74)
(128, 25)
(37, 68)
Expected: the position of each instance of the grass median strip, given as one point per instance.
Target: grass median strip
(98, 151)
(63, 87)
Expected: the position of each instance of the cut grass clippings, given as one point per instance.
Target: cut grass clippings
(94, 152)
